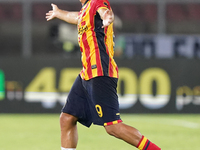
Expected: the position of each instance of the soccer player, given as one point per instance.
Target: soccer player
(93, 96)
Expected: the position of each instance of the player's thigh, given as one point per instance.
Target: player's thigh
(104, 99)
(67, 120)
(77, 103)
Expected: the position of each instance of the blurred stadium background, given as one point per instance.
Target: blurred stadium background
(25, 32)
(157, 48)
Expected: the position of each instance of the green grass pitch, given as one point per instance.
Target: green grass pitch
(41, 132)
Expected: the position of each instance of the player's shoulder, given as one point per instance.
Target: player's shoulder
(103, 2)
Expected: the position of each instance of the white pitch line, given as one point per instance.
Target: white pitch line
(174, 122)
(182, 123)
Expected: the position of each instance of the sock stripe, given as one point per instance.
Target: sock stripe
(147, 145)
(143, 143)
(140, 141)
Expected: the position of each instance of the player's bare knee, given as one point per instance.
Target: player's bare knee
(113, 131)
(67, 120)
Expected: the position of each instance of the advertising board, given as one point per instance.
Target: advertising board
(41, 85)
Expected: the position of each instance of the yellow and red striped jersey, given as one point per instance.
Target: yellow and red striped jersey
(96, 43)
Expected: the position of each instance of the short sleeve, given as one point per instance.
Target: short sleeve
(101, 4)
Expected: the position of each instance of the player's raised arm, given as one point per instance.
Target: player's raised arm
(67, 16)
(107, 16)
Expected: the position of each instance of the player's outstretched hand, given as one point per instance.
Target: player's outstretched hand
(52, 13)
(108, 18)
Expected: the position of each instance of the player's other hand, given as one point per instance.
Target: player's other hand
(108, 18)
(52, 13)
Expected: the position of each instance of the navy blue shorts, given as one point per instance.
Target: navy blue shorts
(94, 101)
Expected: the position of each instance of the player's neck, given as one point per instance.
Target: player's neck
(83, 2)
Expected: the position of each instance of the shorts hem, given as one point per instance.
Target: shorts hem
(113, 122)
